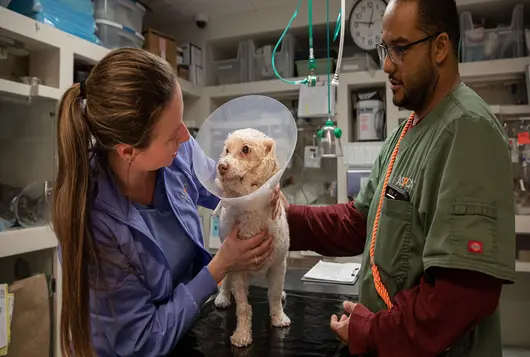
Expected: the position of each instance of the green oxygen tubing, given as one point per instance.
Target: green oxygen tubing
(340, 26)
(311, 79)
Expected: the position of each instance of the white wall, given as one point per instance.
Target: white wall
(252, 23)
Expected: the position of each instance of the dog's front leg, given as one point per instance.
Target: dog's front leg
(243, 334)
(275, 282)
(222, 300)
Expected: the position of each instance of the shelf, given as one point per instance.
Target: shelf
(16, 89)
(37, 36)
(522, 267)
(522, 224)
(515, 110)
(25, 240)
(510, 109)
(515, 352)
(279, 89)
(496, 70)
(189, 90)
(273, 87)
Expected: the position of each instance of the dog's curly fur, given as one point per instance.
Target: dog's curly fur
(248, 161)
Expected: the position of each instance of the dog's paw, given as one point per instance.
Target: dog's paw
(281, 320)
(284, 296)
(241, 338)
(222, 301)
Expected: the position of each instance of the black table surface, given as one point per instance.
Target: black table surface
(309, 306)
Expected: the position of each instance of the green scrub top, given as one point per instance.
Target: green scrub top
(455, 165)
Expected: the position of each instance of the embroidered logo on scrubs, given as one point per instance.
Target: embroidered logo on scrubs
(184, 193)
(405, 182)
(474, 246)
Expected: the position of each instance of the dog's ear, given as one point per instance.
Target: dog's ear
(269, 166)
(270, 145)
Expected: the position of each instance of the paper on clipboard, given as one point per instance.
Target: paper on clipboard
(333, 273)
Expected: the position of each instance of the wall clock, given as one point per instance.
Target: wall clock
(366, 23)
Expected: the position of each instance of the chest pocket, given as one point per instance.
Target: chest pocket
(393, 242)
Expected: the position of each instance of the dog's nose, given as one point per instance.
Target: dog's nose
(222, 168)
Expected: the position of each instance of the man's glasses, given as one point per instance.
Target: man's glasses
(395, 53)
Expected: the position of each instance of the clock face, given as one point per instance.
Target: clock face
(366, 23)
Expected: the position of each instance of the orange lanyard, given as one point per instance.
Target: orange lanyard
(379, 287)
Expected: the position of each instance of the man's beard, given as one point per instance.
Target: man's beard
(419, 90)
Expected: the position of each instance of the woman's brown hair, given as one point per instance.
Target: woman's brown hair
(120, 103)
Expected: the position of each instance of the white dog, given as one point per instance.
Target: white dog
(247, 162)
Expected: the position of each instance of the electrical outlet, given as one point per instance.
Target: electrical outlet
(311, 157)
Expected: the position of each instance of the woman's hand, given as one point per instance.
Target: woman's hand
(241, 254)
(276, 200)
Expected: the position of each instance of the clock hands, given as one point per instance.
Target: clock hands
(369, 23)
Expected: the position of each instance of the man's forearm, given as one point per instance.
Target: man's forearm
(334, 230)
(427, 319)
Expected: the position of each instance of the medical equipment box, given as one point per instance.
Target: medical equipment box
(113, 35)
(197, 76)
(356, 178)
(129, 13)
(191, 55)
(161, 45)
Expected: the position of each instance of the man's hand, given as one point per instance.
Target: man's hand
(340, 326)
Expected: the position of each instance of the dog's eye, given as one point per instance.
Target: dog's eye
(245, 150)
(227, 151)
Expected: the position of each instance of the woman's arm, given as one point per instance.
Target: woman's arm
(123, 310)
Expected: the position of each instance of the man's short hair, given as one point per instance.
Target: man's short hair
(436, 16)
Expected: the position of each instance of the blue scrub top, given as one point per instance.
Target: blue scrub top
(168, 232)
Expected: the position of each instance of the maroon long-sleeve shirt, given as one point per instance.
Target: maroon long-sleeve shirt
(425, 320)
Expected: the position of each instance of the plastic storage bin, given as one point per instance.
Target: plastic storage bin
(129, 13)
(481, 44)
(75, 17)
(261, 60)
(358, 63)
(235, 70)
(113, 35)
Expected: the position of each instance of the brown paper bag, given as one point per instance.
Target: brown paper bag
(30, 328)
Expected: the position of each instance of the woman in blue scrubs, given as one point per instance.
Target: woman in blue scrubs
(134, 268)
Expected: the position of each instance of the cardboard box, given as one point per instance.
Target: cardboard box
(191, 55)
(161, 45)
(183, 71)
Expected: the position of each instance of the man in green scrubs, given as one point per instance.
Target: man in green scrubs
(445, 242)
